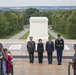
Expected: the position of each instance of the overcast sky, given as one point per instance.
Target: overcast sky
(37, 2)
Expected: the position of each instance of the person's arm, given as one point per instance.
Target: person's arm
(53, 45)
(10, 59)
(43, 46)
(11, 54)
(46, 45)
(34, 46)
(4, 54)
(27, 46)
(63, 44)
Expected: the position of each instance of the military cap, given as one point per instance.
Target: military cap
(30, 37)
(74, 45)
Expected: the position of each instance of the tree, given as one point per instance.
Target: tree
(36, 13)
(15, 21)
(72, 25)
(4, 25)
(29, 13)
(47, 14)
(9, 17)
(20, 20)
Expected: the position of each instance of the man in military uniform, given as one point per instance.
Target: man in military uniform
(31, 49)
(59, 47)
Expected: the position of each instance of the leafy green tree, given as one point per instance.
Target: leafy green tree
(15, 21)
(9, 17)
(20, 20)
(4, 25)
(72, 25)
(36, 13)
(29, 13)
(47, 14)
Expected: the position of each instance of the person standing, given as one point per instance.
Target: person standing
(74, 53)
(74, 59)
(49, 49)
(9, 66)
(31, 49)
(59, 47)
(4, 57)
(40, 50)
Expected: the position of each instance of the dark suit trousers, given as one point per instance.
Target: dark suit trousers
(40, 57)
(49, 57)
(59, 56)
(31, 57)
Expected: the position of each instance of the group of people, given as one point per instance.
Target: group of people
(5, 61)
(49, 48)
(6, 55)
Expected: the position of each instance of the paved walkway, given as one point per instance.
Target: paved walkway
(22, 67)
(19, 34)
(53, 33)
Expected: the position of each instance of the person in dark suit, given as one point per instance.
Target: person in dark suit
(59, 47)
(49, 49)
(31, 49)
(40, 50)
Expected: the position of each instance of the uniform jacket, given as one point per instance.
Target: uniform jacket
(40, 47)
(59, 44)
(49, 46)
(31, 46)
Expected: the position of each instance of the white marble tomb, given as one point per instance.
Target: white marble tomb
(39, 28)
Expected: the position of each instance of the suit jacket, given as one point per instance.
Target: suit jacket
(31, 46)
(40, 47)
(59, 44)
(49, 46)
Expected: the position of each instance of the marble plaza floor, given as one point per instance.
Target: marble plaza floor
(22, 67)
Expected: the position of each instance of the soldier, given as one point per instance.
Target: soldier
(59, 47)
(49, 49)
(40, 50)
(31, 49)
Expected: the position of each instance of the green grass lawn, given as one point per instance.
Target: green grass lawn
(51, 36)
(24, 36)
(11, 35)
(63, 35)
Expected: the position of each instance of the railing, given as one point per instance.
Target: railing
(74, 68)
(1, 67)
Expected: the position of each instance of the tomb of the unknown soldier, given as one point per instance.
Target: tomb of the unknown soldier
(39, 28)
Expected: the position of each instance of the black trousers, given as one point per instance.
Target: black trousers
(59, 56)
(31, 57)
(40, 57)
(49, 57)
